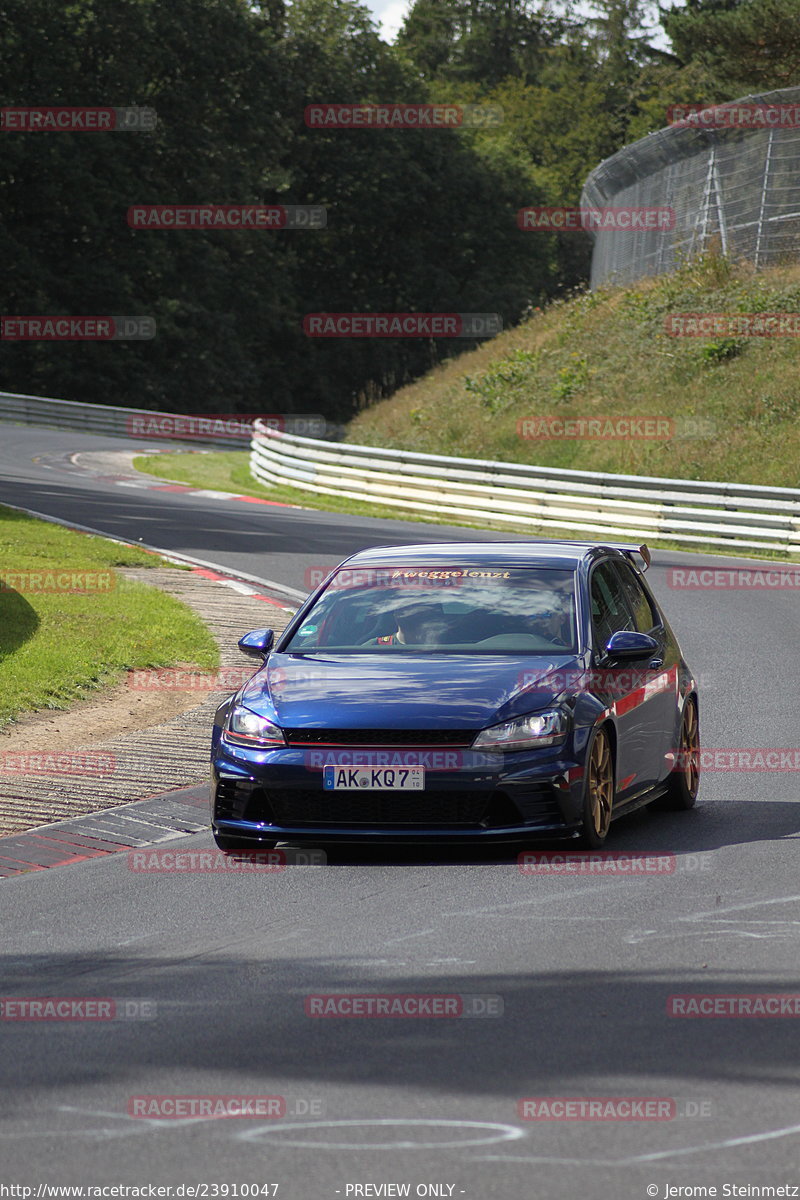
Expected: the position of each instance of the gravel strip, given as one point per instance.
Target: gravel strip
(164, 757)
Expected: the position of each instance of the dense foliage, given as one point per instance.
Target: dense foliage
(416, 220)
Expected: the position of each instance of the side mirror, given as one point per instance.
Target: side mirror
(628, 645)
(257, 643)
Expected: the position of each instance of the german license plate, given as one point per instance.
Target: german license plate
(392, 779)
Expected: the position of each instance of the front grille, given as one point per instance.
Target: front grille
(315, 807)
(536, 806)
(380, 737)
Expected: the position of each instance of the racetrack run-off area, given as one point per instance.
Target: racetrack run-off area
(210, 971)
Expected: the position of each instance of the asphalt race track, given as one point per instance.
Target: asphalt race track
(211, 972)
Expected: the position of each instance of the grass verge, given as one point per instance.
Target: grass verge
(732, 404)
(56, 646)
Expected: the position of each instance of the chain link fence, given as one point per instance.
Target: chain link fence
(730, 173)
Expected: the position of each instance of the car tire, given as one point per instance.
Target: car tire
(224, 842)
(683, 783)
(599, 792)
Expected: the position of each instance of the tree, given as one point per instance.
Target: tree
(484, 41)
(744, 45)
(420, 221)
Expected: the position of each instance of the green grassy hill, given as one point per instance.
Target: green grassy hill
(735, 402)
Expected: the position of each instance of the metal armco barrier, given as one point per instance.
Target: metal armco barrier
(136, 422)
(739, 516)
(735, 515)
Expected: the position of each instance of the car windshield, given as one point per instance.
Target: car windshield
(443, 610)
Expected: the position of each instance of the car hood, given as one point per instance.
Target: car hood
(376, 691)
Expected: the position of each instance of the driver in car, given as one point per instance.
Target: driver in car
(417, 624)
(553, 622)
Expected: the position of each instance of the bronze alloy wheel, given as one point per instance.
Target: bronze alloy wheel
(690, 749)
(684, 779)
(599, 796)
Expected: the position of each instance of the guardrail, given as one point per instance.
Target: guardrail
(740, 516)
(225, 431)
(737, 515)
(101, 418)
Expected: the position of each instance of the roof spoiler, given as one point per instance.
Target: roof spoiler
(640, 556)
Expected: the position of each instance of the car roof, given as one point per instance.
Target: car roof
(564, 555)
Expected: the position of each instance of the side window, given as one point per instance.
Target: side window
(610, 611)
(643, 616)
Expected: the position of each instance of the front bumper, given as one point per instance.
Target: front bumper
(276, 795)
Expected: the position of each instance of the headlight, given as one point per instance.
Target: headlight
(525, 733)
(246, 728)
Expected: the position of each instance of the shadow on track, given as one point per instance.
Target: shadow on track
(18, 621)
(707, 827)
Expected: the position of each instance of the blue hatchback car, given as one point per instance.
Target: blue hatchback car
(465, 691)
